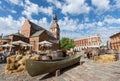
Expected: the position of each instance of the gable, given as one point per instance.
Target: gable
(38, 33)
(25, 29)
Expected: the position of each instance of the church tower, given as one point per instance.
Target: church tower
(54, 27)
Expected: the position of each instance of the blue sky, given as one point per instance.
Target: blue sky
(76, 18)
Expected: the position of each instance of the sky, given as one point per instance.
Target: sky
(76, 18)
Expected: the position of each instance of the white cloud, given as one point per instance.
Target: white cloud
(111, 20)
(70, 34)
(73, 29)
(89, 25)
(117, 4)
(13, 11)
(102, 5)
(57, 3)
(86, 19)
(5, 8)
(43, 22)
(100, 23)
(16, 2)
(10, 25)
(32, 8)
(69, 27)
(74, 7)
(68, 24)
(46, 10)
(104, 31)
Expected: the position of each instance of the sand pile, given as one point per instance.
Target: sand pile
(107, 58)
(16, 63)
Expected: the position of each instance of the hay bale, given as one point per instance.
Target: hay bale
(21, 68)
(105, 58)
(8, 60)
(35, 57)
(22, 61)
(95, 58)
(8, 71)
(18, 57)
(11, 59)
(7, 66)
(16, 63)
(14, 71)
(12, 66)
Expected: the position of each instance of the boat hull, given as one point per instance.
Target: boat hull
(35, 68)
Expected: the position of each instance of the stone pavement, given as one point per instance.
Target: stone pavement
(88, 71)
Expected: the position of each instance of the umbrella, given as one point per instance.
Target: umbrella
(46, 43)
(7, 45)
(19, 42)
(27, 45)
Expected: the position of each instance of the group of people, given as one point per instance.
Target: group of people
(5, 53)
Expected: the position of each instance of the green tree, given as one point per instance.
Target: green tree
(67, 43)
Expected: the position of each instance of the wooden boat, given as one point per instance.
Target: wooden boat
(39, 67)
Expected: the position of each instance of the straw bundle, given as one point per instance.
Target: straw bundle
(105, 58)
(16, 63)
(35, 57)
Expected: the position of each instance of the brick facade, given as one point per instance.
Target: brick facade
(115, 41)
(33, 34)
(25, 29)
(87, 42)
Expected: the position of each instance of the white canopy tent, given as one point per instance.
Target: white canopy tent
(46, 45)
(18, 42)
(7, 45)
(22, 44)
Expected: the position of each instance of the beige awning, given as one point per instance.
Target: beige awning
(18, 42)
(7, 45)
(45, 43)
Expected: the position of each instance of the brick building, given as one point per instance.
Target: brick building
(87, 42)
(33, 34)
(115, 41)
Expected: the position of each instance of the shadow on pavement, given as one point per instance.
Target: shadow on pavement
(50, 75)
